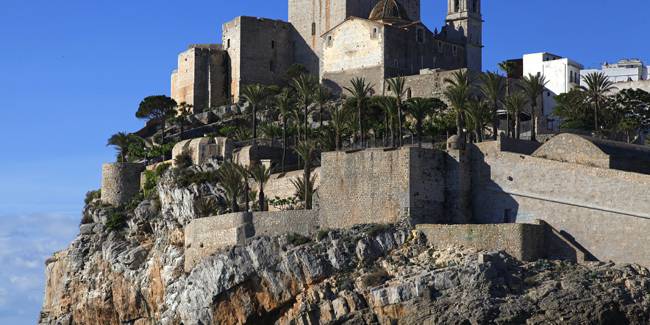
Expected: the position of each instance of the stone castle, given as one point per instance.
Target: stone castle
(335, 40)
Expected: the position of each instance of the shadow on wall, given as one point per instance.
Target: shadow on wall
(490, 202)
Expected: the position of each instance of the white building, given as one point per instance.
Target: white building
(626, 70)
(562, 75)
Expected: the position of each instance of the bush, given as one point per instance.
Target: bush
(183, 160)
(151, 178)
(376, 229)
(185, 177)
(92, 195)
(322, 234)
(207, 206)
(284, 204)
(116, 220)
(297, 239)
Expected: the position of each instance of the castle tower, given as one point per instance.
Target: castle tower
(465, 16)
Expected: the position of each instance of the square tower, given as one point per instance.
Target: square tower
(465, 16)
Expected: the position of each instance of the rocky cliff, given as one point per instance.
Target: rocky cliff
(369, 274)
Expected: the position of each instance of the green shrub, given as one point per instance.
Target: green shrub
(284, 204)
(186, 177)
(376, 229)
(116, 219)
(297, 239)
(207, 206)
(92, 195)
(322, 234)
(183, 160)
(151, 179)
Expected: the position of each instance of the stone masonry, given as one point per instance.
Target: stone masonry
(120, 182)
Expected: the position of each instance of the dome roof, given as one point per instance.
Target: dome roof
(388, 10)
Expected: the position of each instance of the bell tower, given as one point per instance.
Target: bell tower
(465, 16)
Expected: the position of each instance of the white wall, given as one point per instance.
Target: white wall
(562, 75)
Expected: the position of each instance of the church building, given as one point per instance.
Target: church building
(336, 40)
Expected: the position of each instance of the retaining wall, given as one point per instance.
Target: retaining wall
(522, 241)
(605, 211)
(381, 186)
(206, 236)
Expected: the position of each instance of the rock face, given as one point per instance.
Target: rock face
(365, 275)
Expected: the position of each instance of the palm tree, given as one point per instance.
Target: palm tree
(478, 114)
(533, 86)
(421, 108)
(305, 86)
(255, 95)
(261, 175)
(361, 92)
(508, 67)
(514, 104)
(492, 89)
(284, 103)
(231, 180)
(389, 106)
(306, 150)
(184, 110)
(321, 97)
(398, 87)
(340, 122)
(457, 92)
(597, 87)
(121, 143)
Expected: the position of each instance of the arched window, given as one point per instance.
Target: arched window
(456, 5)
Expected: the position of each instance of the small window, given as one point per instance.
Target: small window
(456, 5)
(228, 44)
(272, 44)
(420, 35)
(374, 32)
(313, 29)
(474, 5)
(409, 94)
(329, 40)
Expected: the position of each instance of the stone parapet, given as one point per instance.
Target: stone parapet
(120, 182)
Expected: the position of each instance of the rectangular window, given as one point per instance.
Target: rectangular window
(420, 35)
(228, 44)
(313, 29)
(374, 32)
(272, 44)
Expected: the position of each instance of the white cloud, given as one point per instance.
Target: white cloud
(26, 241)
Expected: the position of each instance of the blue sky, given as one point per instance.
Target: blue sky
(74, 71)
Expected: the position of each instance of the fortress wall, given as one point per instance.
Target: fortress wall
(303, 222)
(522, 241)
(379, 186)
(120, 182)
(431, 83)
(604, 210)
(206, 236)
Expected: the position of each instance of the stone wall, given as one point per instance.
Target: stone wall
(201, 77)
(280, 185)
(606, 211)
(203, 149)
(303, 222)
(120, 182)
(429, 83)
(260, 51)
(206, 236)
(522, 241)
(381, 186)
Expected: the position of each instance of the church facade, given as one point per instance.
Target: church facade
(335, 40)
